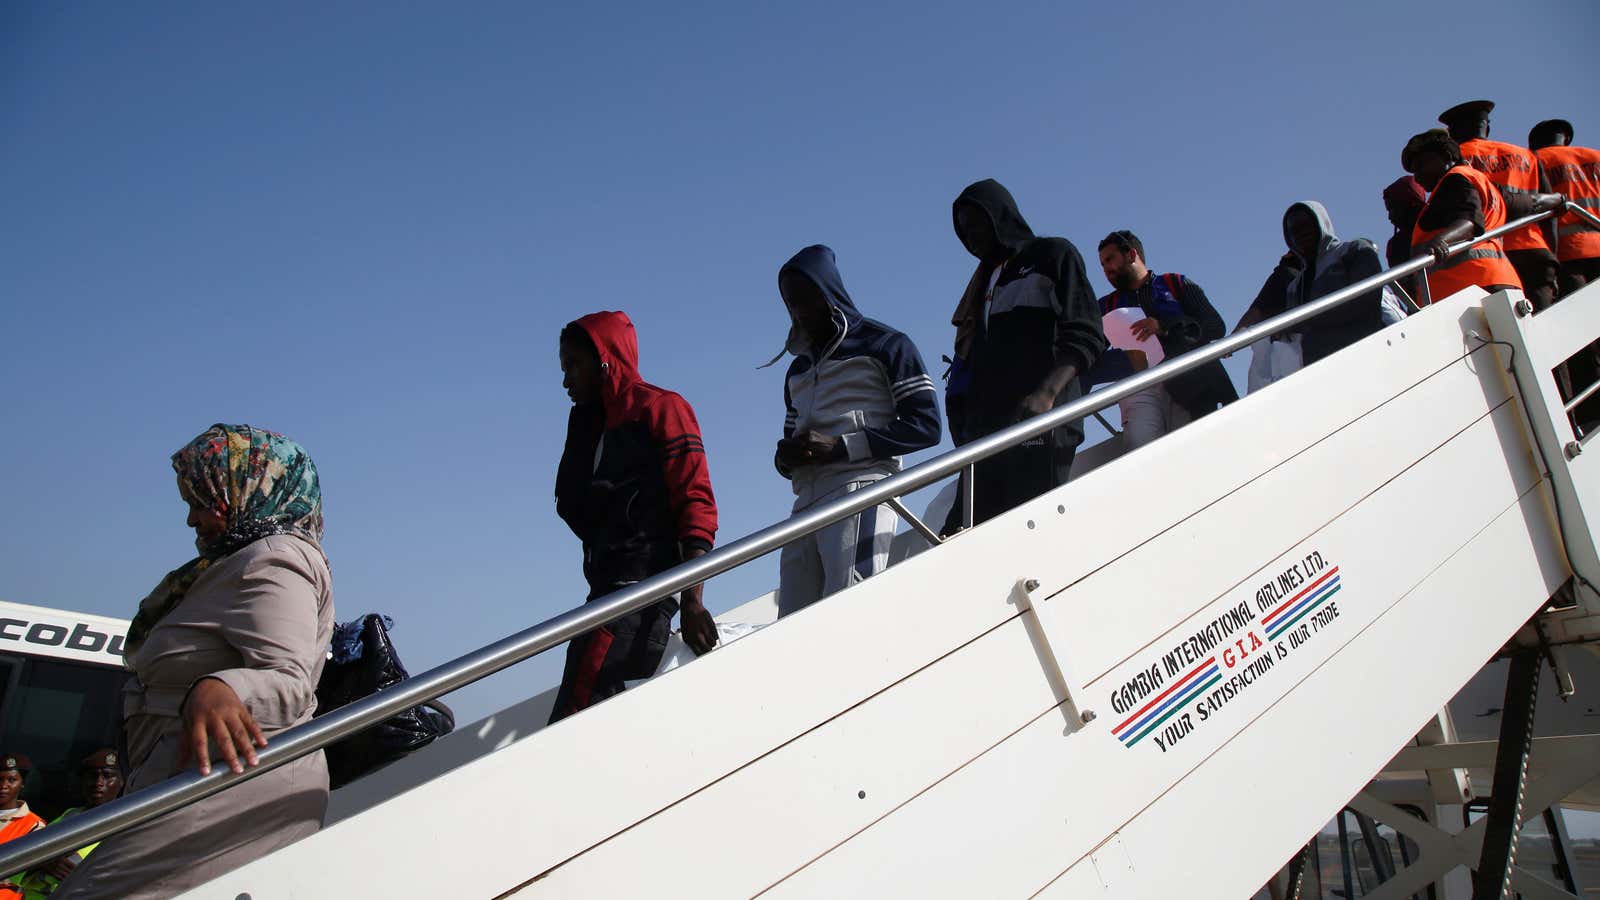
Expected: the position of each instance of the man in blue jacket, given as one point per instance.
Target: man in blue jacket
(1177, 313)
(856, 398)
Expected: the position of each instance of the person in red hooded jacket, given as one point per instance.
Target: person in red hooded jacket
(634, 486)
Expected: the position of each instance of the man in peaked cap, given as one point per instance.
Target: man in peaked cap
(100, 780)
(1517, 173)
(16, 819)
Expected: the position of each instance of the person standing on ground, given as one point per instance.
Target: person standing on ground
(100, 780)
(634, 486)
(1179, 315)
(856, 398)
(16, 820)
(1033, 332)
(1575, 172)
(1522, 183)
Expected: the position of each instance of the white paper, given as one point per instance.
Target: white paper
(678, 652)
(1118, 325)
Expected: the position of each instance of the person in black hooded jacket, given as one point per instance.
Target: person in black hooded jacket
(1027, 327)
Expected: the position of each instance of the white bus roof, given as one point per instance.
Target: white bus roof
(61, 634)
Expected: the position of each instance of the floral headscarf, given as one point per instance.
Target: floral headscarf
(262, 482)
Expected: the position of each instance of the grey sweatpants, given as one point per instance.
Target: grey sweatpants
(830, 560)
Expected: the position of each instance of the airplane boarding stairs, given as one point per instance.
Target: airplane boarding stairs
(1152, 682)
(1156, 681)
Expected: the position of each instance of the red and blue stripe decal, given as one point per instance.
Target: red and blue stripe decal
(1150, 716)
(1301, 605)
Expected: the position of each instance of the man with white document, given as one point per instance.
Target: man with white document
(1148, 318)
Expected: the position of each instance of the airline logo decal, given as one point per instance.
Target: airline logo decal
(1238, 643)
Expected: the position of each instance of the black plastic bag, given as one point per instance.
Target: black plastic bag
(348, 677)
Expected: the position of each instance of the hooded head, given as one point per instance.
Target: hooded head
(1308, 230)
(820, 310)
(988, 222)
(615, 363)
(1404, 199)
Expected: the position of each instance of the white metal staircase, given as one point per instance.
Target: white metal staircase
(1128, 687)
(1155, 681)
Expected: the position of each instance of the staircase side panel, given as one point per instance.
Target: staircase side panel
(1013, 819)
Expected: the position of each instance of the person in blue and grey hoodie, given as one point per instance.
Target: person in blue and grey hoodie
(856, 398)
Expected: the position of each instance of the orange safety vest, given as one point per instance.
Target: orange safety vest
(18, 826)
(1484, 264)
(1516, 171)
(1575, 172)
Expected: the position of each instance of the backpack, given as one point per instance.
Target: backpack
(362, 662)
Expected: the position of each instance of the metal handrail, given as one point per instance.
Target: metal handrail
(187, 787)
(1569, 206)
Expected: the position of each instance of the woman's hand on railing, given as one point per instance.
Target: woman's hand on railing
(213, 713)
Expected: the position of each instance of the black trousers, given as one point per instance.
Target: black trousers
(1584, 367)
(600, 661)
(1012, 477)
(1536, 269)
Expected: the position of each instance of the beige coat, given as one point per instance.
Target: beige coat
(259, 620)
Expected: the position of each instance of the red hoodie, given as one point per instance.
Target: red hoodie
(633, 483)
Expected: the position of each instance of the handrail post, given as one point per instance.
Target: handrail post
(917, 525)
(1583, 213)
(968, 495)
(1411, 305)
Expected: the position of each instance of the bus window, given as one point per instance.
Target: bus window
(10, 670)
(57, 712)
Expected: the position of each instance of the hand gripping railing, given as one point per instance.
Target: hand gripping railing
(188, 787)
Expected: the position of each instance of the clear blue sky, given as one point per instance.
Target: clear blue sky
(363, 225)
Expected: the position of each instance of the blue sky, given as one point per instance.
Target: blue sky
(363, 225)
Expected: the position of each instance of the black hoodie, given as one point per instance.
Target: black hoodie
(1041, 314)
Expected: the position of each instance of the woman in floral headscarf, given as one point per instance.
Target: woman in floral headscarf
(225, 653)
